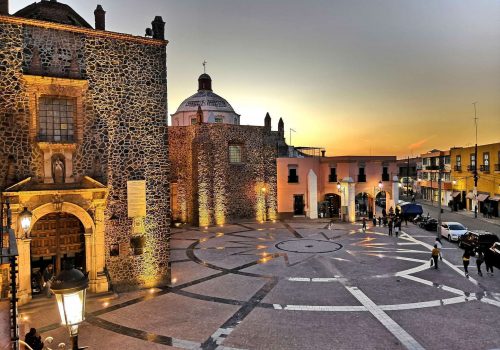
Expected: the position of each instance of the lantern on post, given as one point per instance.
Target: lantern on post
(70, 287)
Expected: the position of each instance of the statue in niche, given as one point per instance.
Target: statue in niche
(58, 169)
(96, 168)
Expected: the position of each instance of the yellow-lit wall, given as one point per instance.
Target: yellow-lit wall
(488, 181)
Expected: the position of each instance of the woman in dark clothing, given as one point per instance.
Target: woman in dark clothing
(34, 340)
(466, 260)
(479, 261)
(488, 260)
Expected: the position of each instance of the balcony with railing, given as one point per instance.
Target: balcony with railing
(458, 168)
(484, 168)
(470, 168)
(432, 167)
(497, 167)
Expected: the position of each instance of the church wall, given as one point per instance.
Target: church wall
(123, 130)
(219, 191)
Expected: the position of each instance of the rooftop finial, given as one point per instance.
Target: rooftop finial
(204, 66)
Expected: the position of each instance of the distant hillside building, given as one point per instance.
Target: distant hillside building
(221, 171)
(83, 145)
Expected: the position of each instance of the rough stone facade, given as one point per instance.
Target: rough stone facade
(121, 129)
(208, 188)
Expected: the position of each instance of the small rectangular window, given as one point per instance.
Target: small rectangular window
(361, 175)
(332, 177)
(292, 175)
(235, 154)
(219, 119)
(194, 121)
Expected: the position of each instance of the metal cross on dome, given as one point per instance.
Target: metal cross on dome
(204, 66)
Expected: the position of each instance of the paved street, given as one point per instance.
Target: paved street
(464, 217)
(297, 285)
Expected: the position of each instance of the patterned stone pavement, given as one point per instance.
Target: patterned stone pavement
(296, 285)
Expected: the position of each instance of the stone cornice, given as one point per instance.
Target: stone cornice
(48, 80)
(74, 29)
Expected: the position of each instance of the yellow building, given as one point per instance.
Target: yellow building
(463, 163)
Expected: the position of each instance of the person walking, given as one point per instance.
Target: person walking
(33, 339)
(48, 274)
(374, 221)
(364, 224)
(435, 256)
(380, 221)
(465, 261)
(440, 247)
(390, 227)
(397, 227)
(479, 261)
(488, 260)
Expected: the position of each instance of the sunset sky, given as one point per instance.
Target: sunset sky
(395, 77)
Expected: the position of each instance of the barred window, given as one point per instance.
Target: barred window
(56, 119)
(235, 154)
(219, 119)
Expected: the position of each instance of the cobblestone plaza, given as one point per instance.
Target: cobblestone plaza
(296, 285)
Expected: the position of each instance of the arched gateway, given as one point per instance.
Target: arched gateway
(67, 226)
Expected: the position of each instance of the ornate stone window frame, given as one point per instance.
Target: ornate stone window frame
(40, 86)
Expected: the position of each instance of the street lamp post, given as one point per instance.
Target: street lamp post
(264, 192)
(440, 174)
(70, 287)
(475, 165)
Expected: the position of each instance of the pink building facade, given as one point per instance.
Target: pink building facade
(343, 186)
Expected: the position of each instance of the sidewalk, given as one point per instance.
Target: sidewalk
(465, 213)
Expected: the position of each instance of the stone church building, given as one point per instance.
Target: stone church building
(220, 170)
(84, 146)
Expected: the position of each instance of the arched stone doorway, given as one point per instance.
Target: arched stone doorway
(333, 203)
(56, 238)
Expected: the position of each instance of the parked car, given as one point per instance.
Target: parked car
(431, 225)
(473, 240)
(452, 230)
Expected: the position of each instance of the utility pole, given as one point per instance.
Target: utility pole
(474, 192)
(408, 177)
(440, 162)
